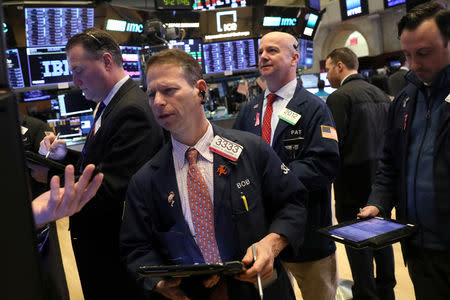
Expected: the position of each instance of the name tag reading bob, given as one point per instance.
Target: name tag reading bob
(226, 148)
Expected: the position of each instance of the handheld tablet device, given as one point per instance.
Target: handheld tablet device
(46, 162)
(370, 232)
(228, 268)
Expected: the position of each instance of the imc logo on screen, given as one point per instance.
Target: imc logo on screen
(54, 68)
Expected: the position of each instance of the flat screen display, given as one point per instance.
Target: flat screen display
(213, 4)
(353, 8)
(48, 65)
(305, 50)
(35, 95)
(391, 3)
(309, 80)
(14, 68)
(67, 127)
(365, 230)
(190, 46)
(131, 65)
(231, 56)
(74, 103)
(54, 26)
(323, 76)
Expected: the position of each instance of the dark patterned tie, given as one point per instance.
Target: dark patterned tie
(202, 210)
(266, 128)
(100, 108)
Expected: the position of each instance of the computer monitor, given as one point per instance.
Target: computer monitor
(353, 8)
(87, 121)
(35, 95)
(131, 65)
(74, 103)
(17, 227)
(66, 127)
(48, 65)
(231, 56)
(190, 46)
(305, 50)
(54, 26)
(391, 3)
(15, 75)
(309, 80)
(323, 76)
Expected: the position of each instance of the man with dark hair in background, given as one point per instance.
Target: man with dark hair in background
(360, 111)
(414, 172)
(123, 137)
(300, 128)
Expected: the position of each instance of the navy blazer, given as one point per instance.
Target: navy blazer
(155, 232)
(313, 159)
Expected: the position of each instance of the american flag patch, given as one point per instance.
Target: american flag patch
(329, 132)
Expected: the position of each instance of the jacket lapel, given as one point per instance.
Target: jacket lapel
(293, 105)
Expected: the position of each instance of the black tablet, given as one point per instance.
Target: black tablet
(41, 160)
(228, 268)
(370, 232)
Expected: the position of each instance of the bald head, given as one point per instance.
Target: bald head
(278, 58)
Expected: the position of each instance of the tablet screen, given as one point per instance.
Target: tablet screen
(366, 229)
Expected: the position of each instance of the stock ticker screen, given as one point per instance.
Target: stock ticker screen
(237, 55)
(14, 68)
(190, 46)
(131, 65)
(48, 65)
(53, 26)
(305, 51)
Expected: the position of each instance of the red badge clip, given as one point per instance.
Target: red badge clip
(222, 170)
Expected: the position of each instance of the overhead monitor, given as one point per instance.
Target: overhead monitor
(280, 17)
(309, 80)
(391, 3)
(131, 65)
(172, 4)
(48, 65)
(54, 26)
(311, 21)
(305, 50)
(14, 69)
(313, 4)
(74, 103)
(213, 4)
(231, 56)
(190, 46)
(353, 8)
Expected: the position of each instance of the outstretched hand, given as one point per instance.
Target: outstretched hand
(63, 202)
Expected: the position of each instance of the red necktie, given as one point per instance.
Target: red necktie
(266, 128)
(202, 210)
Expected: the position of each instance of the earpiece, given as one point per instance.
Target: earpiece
(203, 95)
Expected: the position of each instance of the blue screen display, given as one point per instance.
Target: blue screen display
(366, 229)
(390, 3)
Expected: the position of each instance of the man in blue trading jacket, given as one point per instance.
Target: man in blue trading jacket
(414, 172)
(230, 180)
(300, 129)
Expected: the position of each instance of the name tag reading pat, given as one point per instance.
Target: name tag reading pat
(289, 116)
(226, 148)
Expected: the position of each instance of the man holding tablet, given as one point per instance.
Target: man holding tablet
(414, 173)
(208, 196)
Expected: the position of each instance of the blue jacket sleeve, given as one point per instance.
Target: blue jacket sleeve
(318, 163)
